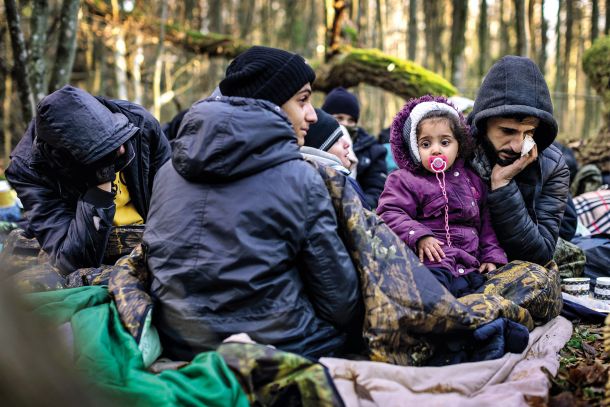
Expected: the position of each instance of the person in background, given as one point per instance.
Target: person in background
(328, 143)
(384, 140)
(371, 171)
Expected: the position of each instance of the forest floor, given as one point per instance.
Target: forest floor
(583, 371)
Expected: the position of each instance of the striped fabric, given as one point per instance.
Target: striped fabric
(593, 209)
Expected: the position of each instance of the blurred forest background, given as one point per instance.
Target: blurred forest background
(166, 54)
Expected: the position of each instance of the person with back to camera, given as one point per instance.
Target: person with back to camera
(242, 235)
(434, 202)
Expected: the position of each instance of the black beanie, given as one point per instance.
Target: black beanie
(323, 133)
(340, 101)
(266, 73)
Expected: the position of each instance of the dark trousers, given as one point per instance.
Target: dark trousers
(459, 286)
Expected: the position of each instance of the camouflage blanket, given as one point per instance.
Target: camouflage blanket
(406, 306)
(24, 263)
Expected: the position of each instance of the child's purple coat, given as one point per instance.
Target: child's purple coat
(412, 204)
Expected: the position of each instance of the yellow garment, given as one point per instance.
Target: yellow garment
(126, 213)
(7, 198)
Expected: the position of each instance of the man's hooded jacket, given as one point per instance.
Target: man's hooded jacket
(49, 169)
(242, 237)
(527, 212)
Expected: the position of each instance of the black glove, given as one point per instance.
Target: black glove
(103, 170)
(499, 337)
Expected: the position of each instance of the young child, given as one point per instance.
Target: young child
(433, 202)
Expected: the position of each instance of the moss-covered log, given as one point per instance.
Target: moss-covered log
(350, 67)
(371, 66)
(596, 64)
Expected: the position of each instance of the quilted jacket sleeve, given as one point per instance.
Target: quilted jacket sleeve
(522, 237)
(331, 279)
(73, 237)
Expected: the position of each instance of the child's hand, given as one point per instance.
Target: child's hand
(486, 268)
(431, 247)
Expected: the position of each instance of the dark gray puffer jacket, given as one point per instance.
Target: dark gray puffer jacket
(242, 237)
(526, 213)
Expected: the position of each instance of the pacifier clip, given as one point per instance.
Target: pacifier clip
(438, 164)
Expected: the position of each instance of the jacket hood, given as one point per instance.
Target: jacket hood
(226, 138)
(515, 85)
(400, 147)
(73, 121)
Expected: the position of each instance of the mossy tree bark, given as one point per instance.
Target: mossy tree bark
(38, 43)
(66, 45)
(20, 68)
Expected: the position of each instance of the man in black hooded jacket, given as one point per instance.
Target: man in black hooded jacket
(528, 193)
(83, 165)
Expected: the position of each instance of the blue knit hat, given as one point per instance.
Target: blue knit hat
(340, 101)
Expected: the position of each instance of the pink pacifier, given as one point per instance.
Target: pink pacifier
(438, 163)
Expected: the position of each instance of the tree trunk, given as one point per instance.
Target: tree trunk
(38, 42)
(558, 64)
(245, 12)
(159, 63)
(310, 34)
(505, 47)
(362, 25)
(138, 59)
(568, 39)
(215, 15)
(335, 33)
(520, 27)
(607, 27)
(379, 26)
(434, 35)
(458, 36)
(531, 25)
(544, 39)
(66, 45)
(4, 135)
(595, 19)
(412, 29)
(483, 38)
(20, 69)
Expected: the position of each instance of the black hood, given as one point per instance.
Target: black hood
(73, 122)
(226, 138)
(515, 85)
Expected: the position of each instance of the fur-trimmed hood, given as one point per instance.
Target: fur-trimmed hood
(400, 148)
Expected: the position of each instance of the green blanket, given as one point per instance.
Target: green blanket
(110, 358)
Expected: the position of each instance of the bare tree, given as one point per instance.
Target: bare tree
(379, 26)
(412, 29)
(483, 32)
(20, 69)
(433, 13)
(520, 27)
(458, 35)
(66, 45)
(544, 39)
(245, 13)
(594, 19)
(38, 42)
(531, 27)
(505, 47)
(607, 27)
(159, 62)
